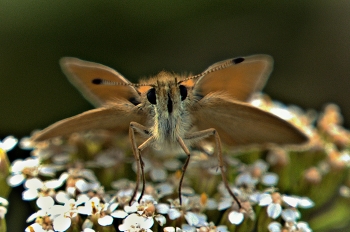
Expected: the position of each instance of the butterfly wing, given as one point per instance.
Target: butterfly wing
(238, 77)
(115, 116)
(85, 75)
(239, 123)
(117, 101)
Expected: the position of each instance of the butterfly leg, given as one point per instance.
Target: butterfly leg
(202, 135)
(185, 149)
(134, 126)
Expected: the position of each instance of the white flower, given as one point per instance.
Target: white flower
(269, 179)
(303, 227)
(246, 179)
(34, 186)
(3, 201)
(25, 143)
(160, 219)
(131, 209)
(299, 226)
(44, 204)
(192, 219)
(188, 228)
(235, 217)
(84, 186)
(274, 203)
(290, 215)
(57, 216)
(119, 214)
(134, 223)
(162, 208)
(90, 207)
(291, 200)
(262, 199)
(88, 230)
(105, 221)
(305, 202)
(196, 219)
(221, 229)
(60, 215)
(296, 201)
(172, 229)
(174, 213)
(225, 203)
(37, 228)
(61, 223)
(105, 211)
(64, 197)
(274, 210)
(8, 143)
(22, 168)
(274, 227)
(3, 211)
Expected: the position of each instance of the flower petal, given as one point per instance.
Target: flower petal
(274, 227)
(119, 214)
(15, 180)
(270, 179)
(45, 202)
(236, 217)
(105, 221)
(61, 223)
(265, 199)
(274, 210)
(160, 219)
(8, 143)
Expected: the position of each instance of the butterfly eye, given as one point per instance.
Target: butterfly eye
(183, 92)
(151, 96)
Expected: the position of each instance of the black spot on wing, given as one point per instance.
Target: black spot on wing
(97, 81)
(238, 60)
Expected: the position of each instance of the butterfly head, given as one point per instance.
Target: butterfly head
(167, 95)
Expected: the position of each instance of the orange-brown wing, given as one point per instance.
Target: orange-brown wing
(116, 116)
(239, 123)
(238, 77)
(85, 76)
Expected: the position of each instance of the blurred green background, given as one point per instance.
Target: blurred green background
(309, 40)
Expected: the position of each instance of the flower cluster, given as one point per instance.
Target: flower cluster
(85, 182)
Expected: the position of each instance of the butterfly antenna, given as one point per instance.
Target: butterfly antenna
(217, 68)
(100, 81)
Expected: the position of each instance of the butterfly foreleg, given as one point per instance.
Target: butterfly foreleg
(136, 127)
